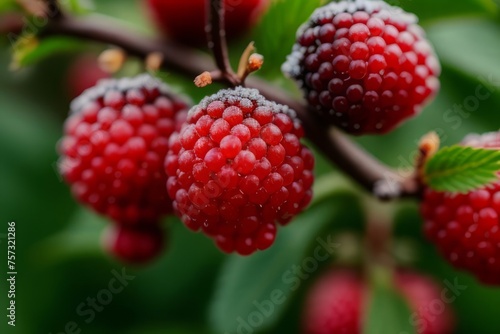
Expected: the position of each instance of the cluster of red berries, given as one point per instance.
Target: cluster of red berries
(337, 303)
(238, 167)
(466, 227)
(234, 167)
(112, 154)
(364, 66)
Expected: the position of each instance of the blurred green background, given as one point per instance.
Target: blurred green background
(193, 288)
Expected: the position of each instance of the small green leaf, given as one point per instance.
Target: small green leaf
(283, 19)
(462, 169)
(28, 50)
(388, 312)
(21, 47)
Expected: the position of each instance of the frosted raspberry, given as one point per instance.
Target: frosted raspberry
(238, 167)
(466, 227)
(365, 66)
(115, 141)
(338, 302)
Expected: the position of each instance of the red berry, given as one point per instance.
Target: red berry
(425, 298)
(185, 20)
(134, 244)
(334, 305)
(338, 303)
(466, 227)
(114, 145)
(247, 172)
(365, 66)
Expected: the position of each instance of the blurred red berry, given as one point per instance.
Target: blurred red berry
(334, 304)
(115, 141)
(184, 21)
(338, 302)
(431, 313)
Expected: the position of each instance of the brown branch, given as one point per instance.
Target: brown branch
(353, 160)
(54, 11)
(216, 33)
(339, 149)
(109, 31)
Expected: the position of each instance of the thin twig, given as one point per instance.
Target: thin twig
(346, 155)
(216, 33)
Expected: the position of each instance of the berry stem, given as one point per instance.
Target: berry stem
(378, 256)
(216, 33)
(353, 160)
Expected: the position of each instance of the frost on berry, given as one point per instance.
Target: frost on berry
(237, 168)
(114, 145)
(363, 65)
(466, 227)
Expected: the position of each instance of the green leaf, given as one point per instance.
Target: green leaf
(282, 19)
(462, 169)
(388, 312)
(28, 50)
(253, 292)
(80, 238)
(165, 291)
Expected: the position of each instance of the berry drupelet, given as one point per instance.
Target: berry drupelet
(365, 66)
(237, 168)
